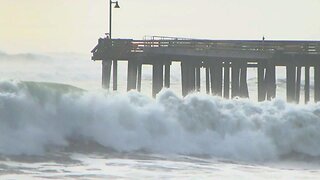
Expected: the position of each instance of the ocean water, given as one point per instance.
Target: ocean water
(50, 129)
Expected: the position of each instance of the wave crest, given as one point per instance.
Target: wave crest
(35, 116)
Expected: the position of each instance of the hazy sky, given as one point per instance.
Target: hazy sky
(75, 25)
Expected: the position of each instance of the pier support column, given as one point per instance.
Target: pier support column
(157, 78)
(317, 83)
(198, 78)
(188, 77)
(208, 80)
(216, 79)
(132, 75)
(298, 85)
(192, 77)
(212, 81)
(244, 91)
(291, 83)
(261, 82)
(235, 79)
(139, 77)
(226, 79)
(184, 81)
(270, 81)
(167, 76)
(266, 80)
(115, 75)
(307, 84)
(106, 73)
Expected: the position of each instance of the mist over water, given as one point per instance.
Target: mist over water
(67, 68)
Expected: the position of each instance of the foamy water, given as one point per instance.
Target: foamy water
(58, 131)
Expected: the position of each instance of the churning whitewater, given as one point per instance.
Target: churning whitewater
(38, 117)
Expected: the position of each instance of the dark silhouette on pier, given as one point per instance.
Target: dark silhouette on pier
(225, 62)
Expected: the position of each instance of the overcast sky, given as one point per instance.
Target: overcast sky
(75, 25)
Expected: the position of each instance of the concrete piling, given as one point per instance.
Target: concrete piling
(115, 75)
(198, 78)
(132, 75)
(291, 82)
(106, 73)
(317, 83)
(157, 78)
(270, 81)
(208, 80)
(226, 80)
(298, 85)
(235, 79)
(216, 79)
(261, 81)
(243, 87)
(139, 77)
(307, 84)
(167, 76)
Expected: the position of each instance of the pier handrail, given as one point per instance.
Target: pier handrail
(300, 47)
(139, 46)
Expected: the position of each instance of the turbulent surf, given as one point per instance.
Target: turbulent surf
(38, 117)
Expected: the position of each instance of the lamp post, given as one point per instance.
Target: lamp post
(115, 62)
(110, 15)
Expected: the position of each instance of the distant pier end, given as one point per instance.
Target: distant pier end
(225, 62)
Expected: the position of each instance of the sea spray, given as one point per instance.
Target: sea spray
(38, 116)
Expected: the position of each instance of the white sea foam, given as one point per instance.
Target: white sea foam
(35, 116)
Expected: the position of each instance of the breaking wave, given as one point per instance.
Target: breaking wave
(35, 117)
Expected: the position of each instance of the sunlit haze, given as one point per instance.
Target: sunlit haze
(75, 26)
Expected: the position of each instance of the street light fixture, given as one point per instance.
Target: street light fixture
(117, 5)
(115, 63)
(110, 15)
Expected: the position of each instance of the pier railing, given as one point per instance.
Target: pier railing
(300, 47)
(124, 47)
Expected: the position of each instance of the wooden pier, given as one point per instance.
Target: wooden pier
(225, 62)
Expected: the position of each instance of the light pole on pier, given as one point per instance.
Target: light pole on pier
(110, 15)
(115, 62)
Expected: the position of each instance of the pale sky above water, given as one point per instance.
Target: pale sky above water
(75, 26)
